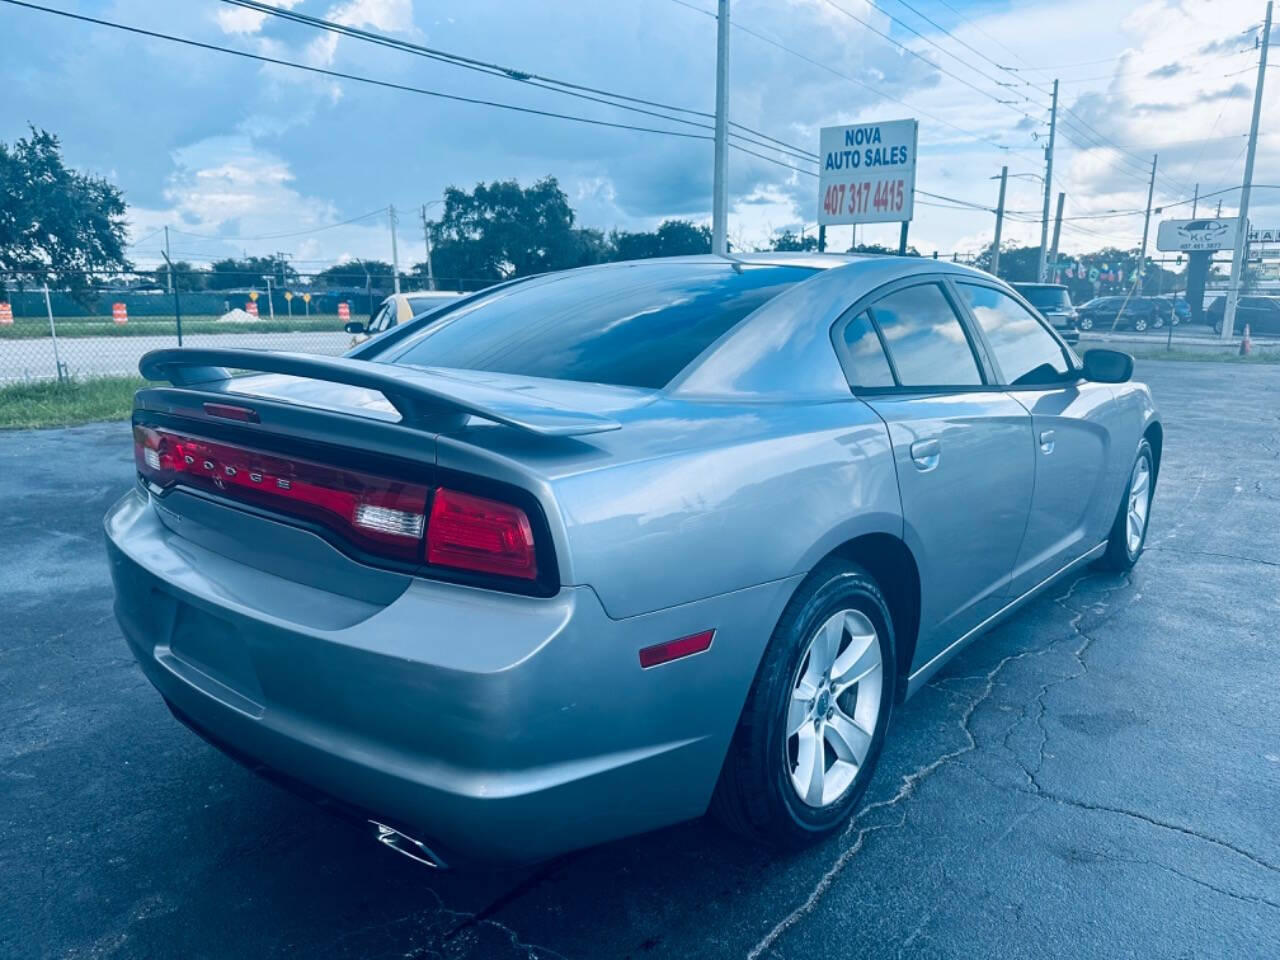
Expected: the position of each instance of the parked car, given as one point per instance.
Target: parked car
(1262, 314)
(398, 308)
(1053, 300)
(623, 543)
(1101, 313)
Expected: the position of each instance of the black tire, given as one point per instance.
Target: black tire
(1217, 327)
(1119, 557)
(754, 796)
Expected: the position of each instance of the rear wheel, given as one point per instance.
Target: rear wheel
(1085, 323)
(1129, 531)
(1140, 324)
(814, 722)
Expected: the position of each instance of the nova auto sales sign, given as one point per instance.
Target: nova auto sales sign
(868, 173)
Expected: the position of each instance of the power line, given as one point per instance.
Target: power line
(609, 98)
(284, 236)
(340, 75)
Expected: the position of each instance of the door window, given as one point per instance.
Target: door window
(1025, 351)
(865, 362)
(925, 339)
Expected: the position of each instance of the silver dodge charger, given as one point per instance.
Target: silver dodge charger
(593, 552)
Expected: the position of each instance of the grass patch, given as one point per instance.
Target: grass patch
(54, 404)
(30, 328)
(1203, 356)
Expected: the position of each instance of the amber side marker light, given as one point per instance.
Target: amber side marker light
(675, 649)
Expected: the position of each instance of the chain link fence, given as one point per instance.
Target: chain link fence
(59, 336)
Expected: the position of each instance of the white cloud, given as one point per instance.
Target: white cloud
(242, 20)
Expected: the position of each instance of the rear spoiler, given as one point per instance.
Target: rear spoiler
(417, 395)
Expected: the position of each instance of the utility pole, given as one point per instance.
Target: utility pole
(395, 258)
(720, 180)
(1048, 180)
(1195, 201)
(1146, 225)
(168, 262)
(271, 306)
(822, 238)
(1241, 249)
(1057, 233)
(995, 247)
(426, 238)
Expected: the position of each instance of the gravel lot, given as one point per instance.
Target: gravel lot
(1100, 777)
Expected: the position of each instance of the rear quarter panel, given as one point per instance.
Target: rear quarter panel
(722, 497)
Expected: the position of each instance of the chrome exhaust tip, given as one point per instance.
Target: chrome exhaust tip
(406, 845)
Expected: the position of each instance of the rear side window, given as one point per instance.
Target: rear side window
(1026, 353)
(865, 362)
(634, 326)
(925, 339)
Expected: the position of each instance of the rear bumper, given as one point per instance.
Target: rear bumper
(496, 728)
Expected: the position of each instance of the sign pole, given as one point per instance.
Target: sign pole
(1242, 229)
(902, 238)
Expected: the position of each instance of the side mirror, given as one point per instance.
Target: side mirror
(1107, 366)
(354, 326)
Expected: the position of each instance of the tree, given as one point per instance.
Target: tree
(502, 230)
(56, 225)
(790, 242)
(375, 274)
(673, 238)
(185, 277)
(232, 273)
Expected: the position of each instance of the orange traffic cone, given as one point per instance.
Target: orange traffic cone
(1246, 345)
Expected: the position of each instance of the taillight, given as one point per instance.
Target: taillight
(377, 514)
(381, 516)
(475, 533)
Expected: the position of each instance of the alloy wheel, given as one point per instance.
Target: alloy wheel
(834, 708)
(1139, 505)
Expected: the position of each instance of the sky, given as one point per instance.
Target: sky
(238, 156)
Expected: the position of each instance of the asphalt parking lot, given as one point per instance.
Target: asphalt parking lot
(1099, 777)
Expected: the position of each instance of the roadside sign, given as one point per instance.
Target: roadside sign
(306, 298)
(6, 314)
(119, 313)
(344, 312)
(288, 294)
(868, 173)
(1264, 234)
(251, 308)
(1189, 236)
(253, 295)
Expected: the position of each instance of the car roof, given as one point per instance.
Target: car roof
(775, 351)
(1031, 286)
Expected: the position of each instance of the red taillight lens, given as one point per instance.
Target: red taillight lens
(475, 533)
(375, 513)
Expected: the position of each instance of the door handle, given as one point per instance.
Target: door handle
(925, 453)
(1046, 441)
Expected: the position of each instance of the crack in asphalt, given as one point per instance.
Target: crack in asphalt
(1224, 556)
(909, 783)
(912, 780)
(1243, 897)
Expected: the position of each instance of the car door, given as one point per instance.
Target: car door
(1073, 422)
(962, 448)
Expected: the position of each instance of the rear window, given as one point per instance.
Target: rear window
(632, 326)
(1046, 298)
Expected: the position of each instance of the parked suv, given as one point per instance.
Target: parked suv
(1137, 313)
(1262, 314)
(1052, 300)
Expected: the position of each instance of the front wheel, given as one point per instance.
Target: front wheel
(814, 722)
(1085, 323)
(1129, 531)
(1140, 324)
